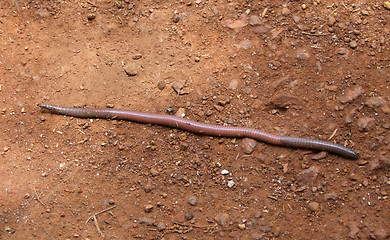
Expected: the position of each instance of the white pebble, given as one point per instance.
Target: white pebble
(230, 183)
(224, 172)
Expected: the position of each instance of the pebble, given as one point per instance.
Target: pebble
(350, 117)
(237, 24)
(302, 54)
(233, 84)
(257, 236)
(351, 94)
(91, 16)
(161, 85)
(230, 183)
(365, 124)
(189, 215)
(222, 218)
(386, 5)
(353, 44)
(380, 234)
(147, 221)
(180, 113)
(285, 11)
(154, 172)
(131, 69)
(148, 208)
(241, 226)
(192, 200)
(314, 206)
(248, 145)
(342, 51)
(137, 56)
(308, 176)
(265, 229)
(330, 196)
(296, 18)
(148, 187)
(285, 101)
(177, 86)
(353, 230)
(320, 155)
(224, 172)
(331, 21)
(375, 102)
(245, 44)
(254, 20)
(161, 226)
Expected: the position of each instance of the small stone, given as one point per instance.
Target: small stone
(189, 215)
(241, 226)
(192, 200)
(365, 12)
(350, 117)
(148, 187)
(302, 54)
(248, 145)
(381, 234)
(362, 162)
(254, 20)
(265, 229)
(304, 6)
(137, 56)
(257, 236)
(285, 101)
(331, 21)
(161, 85)
(320, 156)
(330, 196)
(342, 51)
(353, 44)
(147, 221)
(177, 86)
(386, 5)
(233, 84)
(148, 208)
(353, 230)
(230, 183)
(224, 172)
(375, 102)
(296, 18)
(91, 16)
(314, 206)
(161, 226)
(180, 217)
(351, 95)
(180, 113)
(222, 218)
(176, 17)
(365, 124)
(308, 176)
(131, 69)
(154, 172)
(285, 11)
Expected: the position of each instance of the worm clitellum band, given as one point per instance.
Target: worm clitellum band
(202, 128)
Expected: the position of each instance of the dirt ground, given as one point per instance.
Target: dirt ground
(316, 69)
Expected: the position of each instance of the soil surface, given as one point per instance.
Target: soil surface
(316, 69)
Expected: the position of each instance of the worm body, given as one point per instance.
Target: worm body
(202, 128)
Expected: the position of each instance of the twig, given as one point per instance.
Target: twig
(316, 34)
(95, 214)
(334, 133)
(37, 197)
(48, 234)
(97, 225)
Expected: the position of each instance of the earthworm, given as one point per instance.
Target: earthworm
(202, 128)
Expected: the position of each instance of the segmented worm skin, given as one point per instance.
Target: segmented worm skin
(202, 128)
